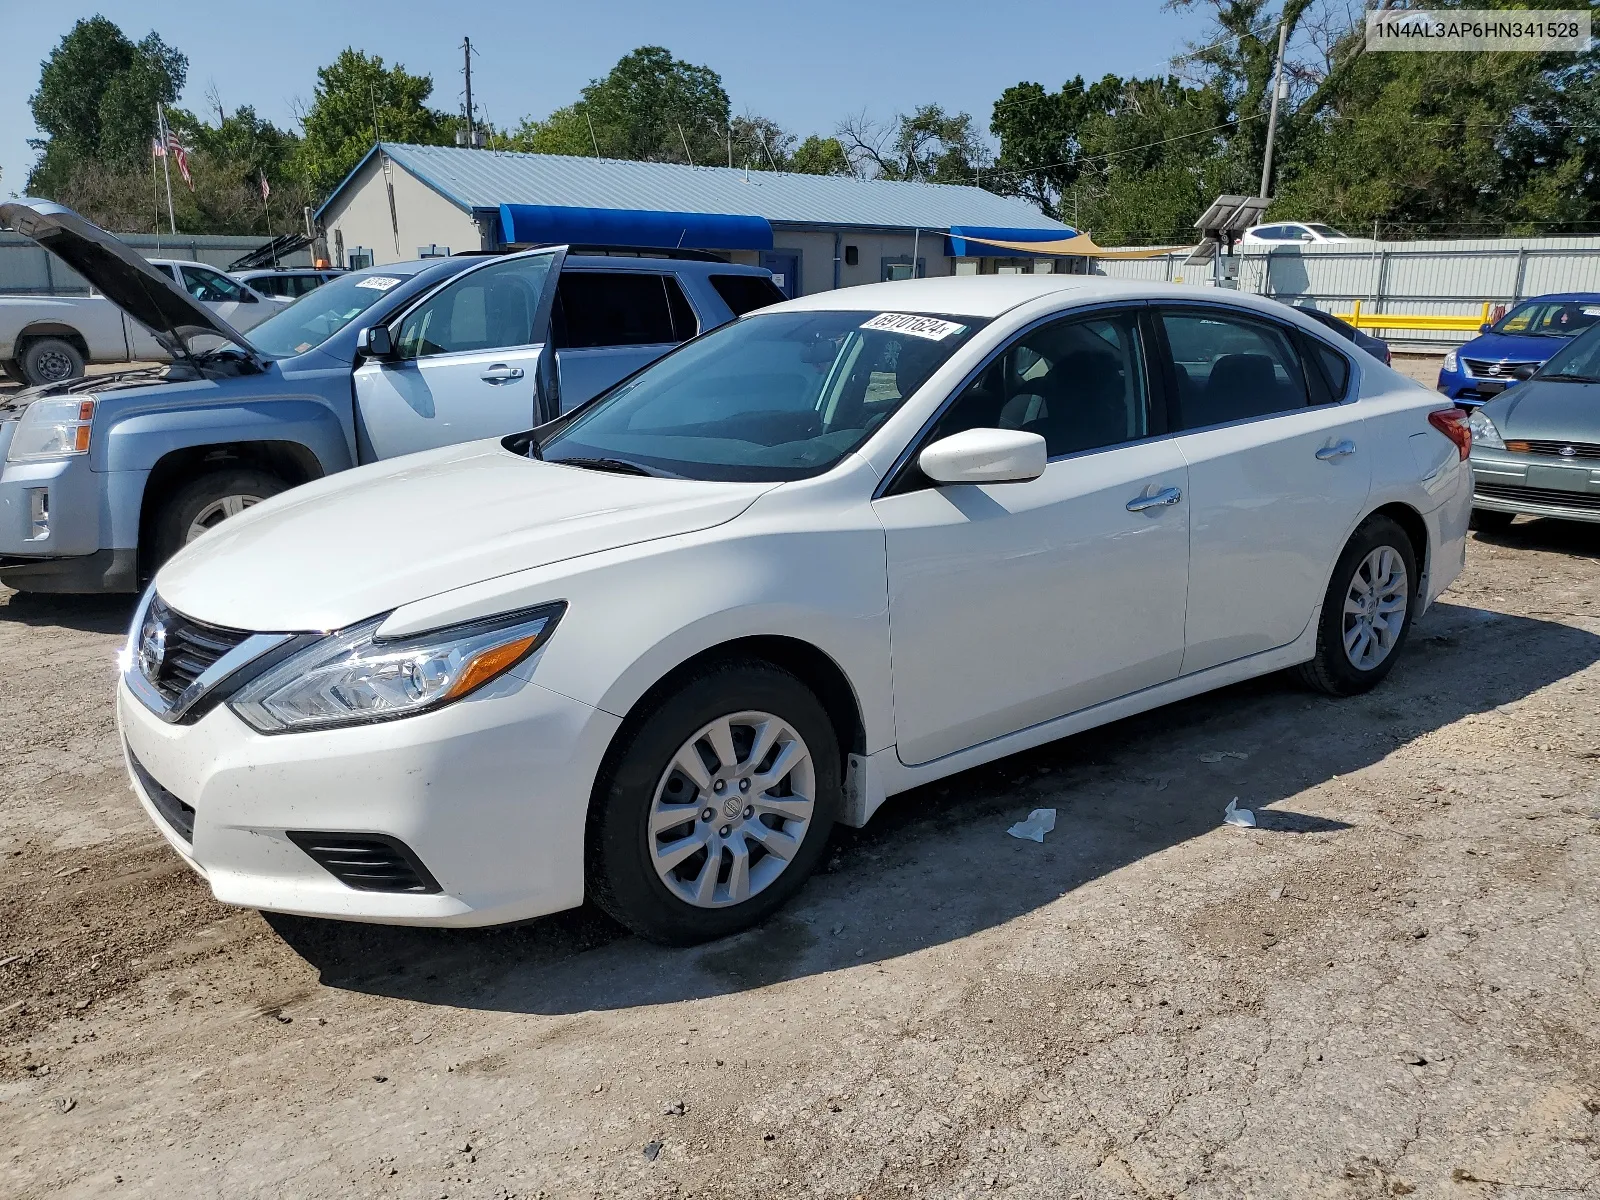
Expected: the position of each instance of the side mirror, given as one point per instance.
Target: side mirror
(376, 341)
(1485, 327)
(985, 456)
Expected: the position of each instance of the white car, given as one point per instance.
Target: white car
(838, 548)
(1280, 232)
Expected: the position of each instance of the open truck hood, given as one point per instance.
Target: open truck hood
(120, 275)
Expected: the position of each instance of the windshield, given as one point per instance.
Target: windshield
(1578, 361)
(772, 397)
(1549, 318)
(318, 315)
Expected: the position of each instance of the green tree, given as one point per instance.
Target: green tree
(650, 107)
(819, 156)
(927, 144)
(358, 98)
(97, 97)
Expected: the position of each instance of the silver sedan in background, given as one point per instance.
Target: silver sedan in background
(1536, 447)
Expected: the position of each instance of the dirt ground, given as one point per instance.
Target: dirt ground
(1387, 988)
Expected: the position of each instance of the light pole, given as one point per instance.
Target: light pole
(1272, 115)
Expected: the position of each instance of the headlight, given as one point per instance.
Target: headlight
(1484, 432)
(355, 678)
(1451, 361)
(52, 428)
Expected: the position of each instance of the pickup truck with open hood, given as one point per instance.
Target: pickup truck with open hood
(103, 479)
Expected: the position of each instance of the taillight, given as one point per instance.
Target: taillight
(1452, 422)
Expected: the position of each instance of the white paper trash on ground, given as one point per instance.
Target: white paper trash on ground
(1040, 822)
(1234, 815)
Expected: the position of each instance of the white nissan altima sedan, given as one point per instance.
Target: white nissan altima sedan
(844, 546)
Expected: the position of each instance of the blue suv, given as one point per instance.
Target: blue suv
(1515, 346)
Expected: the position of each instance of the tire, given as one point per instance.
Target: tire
(207, 500)
(1487, 520)
(1371, 555)
(640, 778)
(12, 369)
(50, 360)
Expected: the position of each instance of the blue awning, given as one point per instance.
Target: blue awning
(533, 224)
(957, 246)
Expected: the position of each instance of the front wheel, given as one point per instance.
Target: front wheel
(1367, 611)
(716, 806)
(204, 503)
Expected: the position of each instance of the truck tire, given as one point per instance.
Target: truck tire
(50, 360)
(12, 368)
(205, 502)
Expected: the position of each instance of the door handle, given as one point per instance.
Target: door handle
(1337, 450)
(499, 373)
(1165, 498)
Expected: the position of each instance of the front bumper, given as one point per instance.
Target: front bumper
(1468, 391)
(1535, 484)
(51, 529)
(491, 794)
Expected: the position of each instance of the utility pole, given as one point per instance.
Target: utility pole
(1272, 115)
(166, 168)
(472, 136)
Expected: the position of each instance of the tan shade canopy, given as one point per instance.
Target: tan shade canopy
(1074, 245)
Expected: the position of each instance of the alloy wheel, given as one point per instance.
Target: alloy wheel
(1375, 608)
(216, 512)
(732, 809)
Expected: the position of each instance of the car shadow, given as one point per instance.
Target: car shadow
(87, 614)
(935, 865)
(1547, 533)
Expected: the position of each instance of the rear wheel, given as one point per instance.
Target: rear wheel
(1487, 520)
(50, 360)
(716, 807)
(1367, 611)
(204, 503)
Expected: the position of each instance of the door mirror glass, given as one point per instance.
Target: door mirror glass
(377, 341)
(985, 456)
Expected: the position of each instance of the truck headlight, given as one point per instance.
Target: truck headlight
(58, 427)
(353, 677)
(1452, 361)
(1484, 432)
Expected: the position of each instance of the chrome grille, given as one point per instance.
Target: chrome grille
(1483, 368)
(1548, 497)
(174, 650)
(1567, 450)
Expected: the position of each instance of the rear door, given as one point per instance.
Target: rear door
(1278, 475)
(608, 324)
(468, 361)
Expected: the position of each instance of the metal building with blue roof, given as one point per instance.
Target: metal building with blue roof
(814, 232)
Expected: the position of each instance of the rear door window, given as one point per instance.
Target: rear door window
(1231, 367)
(746, 293)
(620, 308)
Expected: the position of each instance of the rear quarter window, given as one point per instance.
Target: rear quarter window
(746, 293)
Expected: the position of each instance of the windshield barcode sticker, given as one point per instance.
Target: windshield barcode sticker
(931, 328)
(380, 283)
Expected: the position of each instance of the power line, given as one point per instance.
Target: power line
(1087, 158)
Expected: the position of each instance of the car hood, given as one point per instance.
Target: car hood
(1544, 410)
(366, 541)
(1512, 347)
(119, 274)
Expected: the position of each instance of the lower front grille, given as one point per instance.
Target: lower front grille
(368, 862)
(173, 811)
(1547, 497)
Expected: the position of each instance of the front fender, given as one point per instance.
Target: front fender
(140, 440)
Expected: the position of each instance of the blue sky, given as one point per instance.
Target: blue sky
(804, 65)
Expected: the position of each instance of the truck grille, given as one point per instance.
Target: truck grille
(368, 862)
(1549, 497)
(175, 650)
(1485, 369)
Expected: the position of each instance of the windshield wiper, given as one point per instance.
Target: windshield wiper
(1569, 377)
(617, 465)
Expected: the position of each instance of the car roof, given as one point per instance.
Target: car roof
(1565, 297)
(991, 295)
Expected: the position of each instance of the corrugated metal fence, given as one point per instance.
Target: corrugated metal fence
(28, 270)
(1443, 278)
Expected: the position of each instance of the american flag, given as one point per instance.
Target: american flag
(266, 189)
(180, 155)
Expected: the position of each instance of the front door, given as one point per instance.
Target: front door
(1279, 470)
(467, 362)
(785, 268)
(1012, 604)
